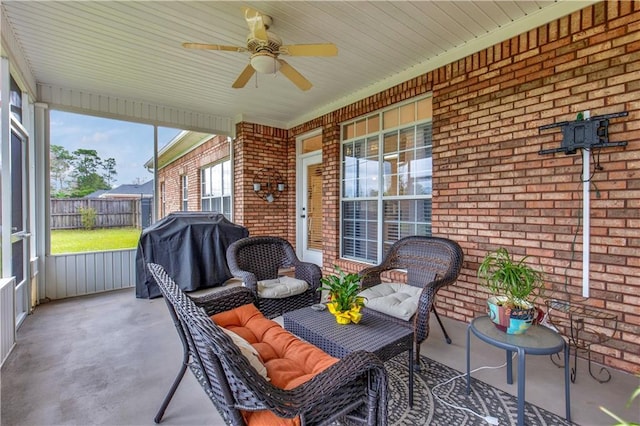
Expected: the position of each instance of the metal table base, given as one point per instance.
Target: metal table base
(538, 340)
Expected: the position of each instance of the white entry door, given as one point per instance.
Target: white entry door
(310, 210)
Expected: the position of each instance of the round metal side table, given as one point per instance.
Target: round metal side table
(538, 340)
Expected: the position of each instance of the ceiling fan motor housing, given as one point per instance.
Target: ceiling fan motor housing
(272, 44)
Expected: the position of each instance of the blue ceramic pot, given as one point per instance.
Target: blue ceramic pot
(510, 320)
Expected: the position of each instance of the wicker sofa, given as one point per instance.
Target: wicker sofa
(354, 387)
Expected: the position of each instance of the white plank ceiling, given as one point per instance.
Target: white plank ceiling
(132, 49)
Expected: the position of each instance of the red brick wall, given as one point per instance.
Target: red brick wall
(491, 187)
(190, 164)
(257, 147)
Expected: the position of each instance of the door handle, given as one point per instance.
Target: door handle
(303, 216)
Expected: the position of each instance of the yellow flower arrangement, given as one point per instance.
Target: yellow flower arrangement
(344, 301)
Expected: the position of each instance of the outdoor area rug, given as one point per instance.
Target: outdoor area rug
(427, 410)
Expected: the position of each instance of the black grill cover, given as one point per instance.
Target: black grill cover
(191, 246)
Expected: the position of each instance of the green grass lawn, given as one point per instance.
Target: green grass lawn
(80, 240)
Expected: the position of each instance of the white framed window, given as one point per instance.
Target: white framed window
(184, 184)
(386, 179)
(216, 188)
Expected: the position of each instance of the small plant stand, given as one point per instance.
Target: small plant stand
(582, 326)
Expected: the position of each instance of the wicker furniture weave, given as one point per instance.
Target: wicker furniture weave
(372, 334)
(355, 384)
(430, 263)
(254, 259)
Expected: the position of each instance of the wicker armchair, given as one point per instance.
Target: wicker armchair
(430, 263)
(354, 388)
(259, 258)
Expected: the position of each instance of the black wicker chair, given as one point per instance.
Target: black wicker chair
(430, 263)
(355, 388)
(259, 258)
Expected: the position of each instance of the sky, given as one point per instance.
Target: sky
(130, 144)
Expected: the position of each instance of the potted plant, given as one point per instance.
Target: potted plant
(344, 301)
(514, 286)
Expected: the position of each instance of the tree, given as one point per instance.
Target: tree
(79, 173)
(90, 173)
(109, 166)
(60, 166)
(87, 184)
(85, 161)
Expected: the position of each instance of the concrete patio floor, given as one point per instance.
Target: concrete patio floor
(109, 359)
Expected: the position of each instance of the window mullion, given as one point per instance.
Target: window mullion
(381, 183)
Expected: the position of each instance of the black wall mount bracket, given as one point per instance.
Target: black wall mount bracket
(584, 134)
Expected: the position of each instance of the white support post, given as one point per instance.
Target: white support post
(156, 186)
(586, 223)
(42, 194)
(5, 170)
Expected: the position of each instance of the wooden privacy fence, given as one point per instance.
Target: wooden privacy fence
(110, 212)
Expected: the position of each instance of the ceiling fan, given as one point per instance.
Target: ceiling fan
(265, 47)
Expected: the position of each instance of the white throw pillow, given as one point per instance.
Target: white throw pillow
(248, 351)
(281, 287)
(394, 299)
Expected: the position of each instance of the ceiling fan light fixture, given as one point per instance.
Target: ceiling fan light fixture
(265, 63)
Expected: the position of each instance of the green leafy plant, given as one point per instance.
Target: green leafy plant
(622, 422)
(515, 280)
(88, 217)
(343, 289)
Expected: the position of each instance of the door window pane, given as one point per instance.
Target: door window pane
(311, 144)
(314, 207)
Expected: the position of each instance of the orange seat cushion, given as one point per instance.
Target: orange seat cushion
(289, 361)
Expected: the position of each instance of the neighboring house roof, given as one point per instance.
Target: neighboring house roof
(144, 190)
(96, 194)
(182, 143)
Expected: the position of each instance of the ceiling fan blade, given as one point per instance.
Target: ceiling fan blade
(244, 77)
(293, 75)
(204, 46)
(323, 49)
(256, 23)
